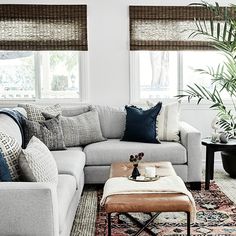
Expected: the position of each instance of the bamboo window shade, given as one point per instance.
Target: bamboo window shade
(43, 27)
(167, 27)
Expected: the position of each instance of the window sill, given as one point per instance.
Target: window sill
(184, 103)
(62, 101)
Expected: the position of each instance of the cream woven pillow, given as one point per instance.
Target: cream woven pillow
(37, 163)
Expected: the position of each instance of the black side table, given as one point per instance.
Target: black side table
(211, 148)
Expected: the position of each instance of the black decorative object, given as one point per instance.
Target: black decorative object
(135, 159)
(135, 172)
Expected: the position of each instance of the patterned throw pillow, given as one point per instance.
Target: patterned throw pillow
(82, 129)
(37, 163)
(48, 131)
(34, 112)
(9, 153)
(168, 122)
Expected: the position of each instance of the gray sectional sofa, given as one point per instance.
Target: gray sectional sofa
(43, 209)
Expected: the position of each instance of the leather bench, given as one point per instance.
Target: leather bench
(148, 202)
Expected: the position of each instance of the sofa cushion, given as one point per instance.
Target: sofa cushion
(10, 127)
(65, 192)
(75, 110)
(114, 150)
(112, 121)
(71, 162)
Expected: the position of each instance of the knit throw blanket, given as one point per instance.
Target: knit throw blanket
(167, 184)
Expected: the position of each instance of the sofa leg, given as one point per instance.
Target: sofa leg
(195, 185)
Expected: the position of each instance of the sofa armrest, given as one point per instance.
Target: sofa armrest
(28, 209)
(191, 140)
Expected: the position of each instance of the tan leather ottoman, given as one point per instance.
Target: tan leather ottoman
(149, 202)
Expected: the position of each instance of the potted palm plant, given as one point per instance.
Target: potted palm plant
(222, 35)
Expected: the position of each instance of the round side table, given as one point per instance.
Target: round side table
(211, 148)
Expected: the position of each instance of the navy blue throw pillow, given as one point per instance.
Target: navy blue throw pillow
(141, 124)
(4, 171)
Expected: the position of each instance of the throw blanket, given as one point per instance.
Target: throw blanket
(17, 117)
(167, 184)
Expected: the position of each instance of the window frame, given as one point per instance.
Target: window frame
(83, 85)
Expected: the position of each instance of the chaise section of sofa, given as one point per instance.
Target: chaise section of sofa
(42, 208)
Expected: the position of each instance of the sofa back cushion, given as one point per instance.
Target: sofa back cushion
(112, 120)
(10, 127)
(69, 111)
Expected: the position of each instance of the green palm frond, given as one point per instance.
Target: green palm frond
(221, 32)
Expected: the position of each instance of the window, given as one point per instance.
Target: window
(43, 51)
(164, 74)
(45, 74)
(163, 56)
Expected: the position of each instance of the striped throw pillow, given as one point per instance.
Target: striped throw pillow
(168, 122)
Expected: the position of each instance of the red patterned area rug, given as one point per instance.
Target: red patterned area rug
(216, 215)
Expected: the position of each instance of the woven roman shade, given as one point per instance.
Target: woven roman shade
(167, 27)
(43, 27)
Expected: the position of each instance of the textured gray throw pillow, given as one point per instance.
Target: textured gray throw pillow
(82, 129)
(70, 129)
(48, 131)
(37, 163)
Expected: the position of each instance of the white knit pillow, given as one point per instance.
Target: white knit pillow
(37, 163)
(168, 122)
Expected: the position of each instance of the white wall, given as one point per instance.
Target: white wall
(108, 29)
(108, 55)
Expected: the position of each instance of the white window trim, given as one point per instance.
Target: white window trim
(134, 78)
(84, 77)
(84, 85)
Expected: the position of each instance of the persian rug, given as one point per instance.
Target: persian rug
(216, 216)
